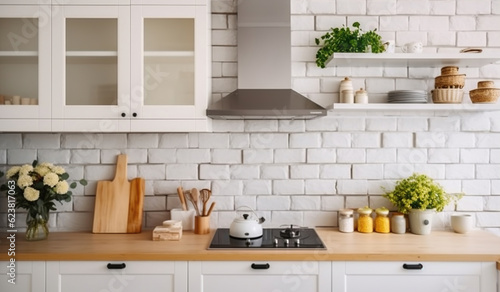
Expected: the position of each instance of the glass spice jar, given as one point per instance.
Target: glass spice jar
(382, 222)
(365, 221)
(398, 223)
(346, 220)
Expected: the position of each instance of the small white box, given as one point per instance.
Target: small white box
(187, 218)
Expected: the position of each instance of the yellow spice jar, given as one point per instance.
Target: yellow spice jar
(382, 222)
(365, 221)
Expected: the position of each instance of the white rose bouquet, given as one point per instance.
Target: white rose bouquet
(35, 187)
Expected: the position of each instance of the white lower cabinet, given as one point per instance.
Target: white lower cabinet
(273, 276)
(20, 276)
(131, 276)
(414, 276)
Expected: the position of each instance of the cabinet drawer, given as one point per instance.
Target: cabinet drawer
(28, 276)
(280, 268)
(417, 268)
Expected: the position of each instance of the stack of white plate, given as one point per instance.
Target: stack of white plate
(407, 96)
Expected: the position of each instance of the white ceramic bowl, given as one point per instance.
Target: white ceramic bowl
(447, 95)
(461, 223)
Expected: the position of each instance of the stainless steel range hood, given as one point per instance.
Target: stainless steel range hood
(264, 67)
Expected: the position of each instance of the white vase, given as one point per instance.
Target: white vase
(421, 221)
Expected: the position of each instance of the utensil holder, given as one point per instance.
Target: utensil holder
(187, 218)
(201, 224)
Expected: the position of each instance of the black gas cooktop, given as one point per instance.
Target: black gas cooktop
(286, 238)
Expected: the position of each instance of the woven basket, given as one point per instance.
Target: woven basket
(447, 95)
(486, 84)
(486, 95)
(450, 81)
(449, 70)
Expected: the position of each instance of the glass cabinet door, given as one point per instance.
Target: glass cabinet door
(169, 64)
(25, 66)
(91, 57)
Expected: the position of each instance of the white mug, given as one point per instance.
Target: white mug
(461, 223)
(390, 46)
(414, 47)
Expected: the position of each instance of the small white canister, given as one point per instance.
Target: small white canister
(347, 96)
(361, 96)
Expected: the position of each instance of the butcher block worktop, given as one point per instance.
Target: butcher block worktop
(438, 246)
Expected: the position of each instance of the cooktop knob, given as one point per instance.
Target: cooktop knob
(297, 242)
(286, 241)
(275, 242)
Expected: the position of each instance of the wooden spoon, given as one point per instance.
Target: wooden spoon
(196, 197)
(205, 196)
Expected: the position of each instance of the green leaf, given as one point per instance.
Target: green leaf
(73, 185)
(83, 182)
(64, 176)
(35, 163)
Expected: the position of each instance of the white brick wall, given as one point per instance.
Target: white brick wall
(299, 171)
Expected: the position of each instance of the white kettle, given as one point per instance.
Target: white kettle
(248, 225)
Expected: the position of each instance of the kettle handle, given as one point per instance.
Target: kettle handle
(241, 209)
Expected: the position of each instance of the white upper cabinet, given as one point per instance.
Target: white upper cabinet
(25, 80)
(91, 68)
(169, 68)
(106, 66)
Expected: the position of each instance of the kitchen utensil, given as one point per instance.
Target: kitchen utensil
(205, 195)
(136, 203)
(450, 81)
(182, 198)
(414, 47)
(190, 198)
(390, 46)
(246, 226)
(112, 201)
(484, 95)
(196, 199)
(119, 203)
(211, 208)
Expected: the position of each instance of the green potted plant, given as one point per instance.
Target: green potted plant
(419, 197)
(347, 40)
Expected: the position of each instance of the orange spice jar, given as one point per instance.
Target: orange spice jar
(382, 222)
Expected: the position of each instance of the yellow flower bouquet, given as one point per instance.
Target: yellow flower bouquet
(35, 187)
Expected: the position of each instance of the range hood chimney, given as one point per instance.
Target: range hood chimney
(264, 67)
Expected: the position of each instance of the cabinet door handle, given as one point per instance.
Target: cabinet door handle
(124, 115)
(260, 266)
(413, 266)
(134, 115)
(116, 266)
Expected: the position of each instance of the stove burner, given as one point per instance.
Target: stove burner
(290, 232)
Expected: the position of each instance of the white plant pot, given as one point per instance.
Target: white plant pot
(421, 221)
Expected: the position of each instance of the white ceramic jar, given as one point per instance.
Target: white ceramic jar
(345, 85)
(361, 96)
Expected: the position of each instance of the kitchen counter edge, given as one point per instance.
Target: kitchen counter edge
(477, 245)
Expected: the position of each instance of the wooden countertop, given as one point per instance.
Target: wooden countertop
(438, 246)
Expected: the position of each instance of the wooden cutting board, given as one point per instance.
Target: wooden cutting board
(119, 203)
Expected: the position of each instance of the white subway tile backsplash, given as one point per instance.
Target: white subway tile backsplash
(274, 171)
(324, 155)
(381, 7)
(394, 23)
(356, 202)
(366, 140)
(475, 38)
(320, 187)
(273, 203)
(91, 156)
(463, 23)
(10, 141)
(261, 126)
(476, 187)
(42, 141)
(399, 140)
(54, 156)
(381, 124)
(351, 124)
(326, 124)
(381, 155)
(351, 7)
(487, 140)
(291, 126)
(162, 155)
(312, 7)
(473, 7)
(304, 171)
(228, 156)
(429, 23)
(398, 171)
(462, 140)
(288, 187)
(471, 204)
(151, 171)
(442, 7)
(305, 203)
(460, 171)
(143, 141)
(193, 155)
(268, 140)
(412, 124)
(181, 171)
(302, 22)
(474, 155)
(211, 140)
(335, 171)
(239, 141)
(475, 123)
(430, 139)
(368, 171)
(244, 171)
(413, 7)
(334, 139)
(441, 38)
(325, 22)
(289, 155)
(410, 155)
(351, 155)
(443, 156)
(257, 187)
(352, 187)
(155, 203)
(487, 219)
(226, 188)
(219, 172)
(305, 140)
(492, 203)
(251, 156)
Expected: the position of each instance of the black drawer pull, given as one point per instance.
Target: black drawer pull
(116, 266)
(260, 266)
(413, 267)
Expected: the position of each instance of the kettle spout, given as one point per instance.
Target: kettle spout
(261, 220)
